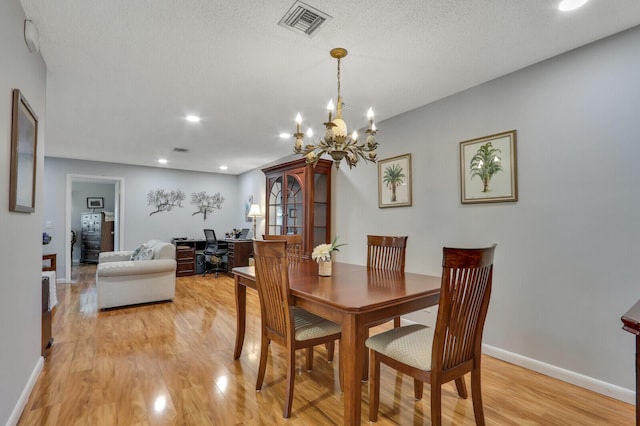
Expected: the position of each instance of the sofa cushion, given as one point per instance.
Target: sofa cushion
(146, 254)
(136, 253)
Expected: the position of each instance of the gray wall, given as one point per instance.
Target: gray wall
(138, 181)
(565, 263)
(21, 251)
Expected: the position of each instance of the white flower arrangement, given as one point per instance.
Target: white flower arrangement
(322, 252)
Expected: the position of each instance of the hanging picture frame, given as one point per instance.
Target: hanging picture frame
(394, 181)
(24, 140)
(488, 169)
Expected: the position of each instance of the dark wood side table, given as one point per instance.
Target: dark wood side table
(631, 321)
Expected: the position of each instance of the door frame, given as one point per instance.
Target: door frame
(118, 213)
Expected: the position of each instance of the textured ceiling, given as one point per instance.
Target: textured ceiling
(123, 74)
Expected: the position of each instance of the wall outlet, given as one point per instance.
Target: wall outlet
(49, 224)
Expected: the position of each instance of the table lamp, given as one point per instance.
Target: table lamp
(254, 212)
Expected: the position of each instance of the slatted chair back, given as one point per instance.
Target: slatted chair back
(464, 300)
(272, 283)
(294, 245)
(386, 252)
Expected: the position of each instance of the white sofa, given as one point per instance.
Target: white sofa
(121, 281)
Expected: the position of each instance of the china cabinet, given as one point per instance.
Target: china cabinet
(299, 202)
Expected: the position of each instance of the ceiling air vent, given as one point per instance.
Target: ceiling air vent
(303, 18)
(180, 150)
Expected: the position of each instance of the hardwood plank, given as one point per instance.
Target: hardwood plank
(172, 364)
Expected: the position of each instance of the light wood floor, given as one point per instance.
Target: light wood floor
(172, 364)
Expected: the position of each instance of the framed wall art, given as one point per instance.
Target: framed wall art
(488, 169)
(24, 139)
(394, 181)
(95, 202)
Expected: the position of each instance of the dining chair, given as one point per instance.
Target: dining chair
(451, 349)
(281, 323)
(294, 245)
(388, 253)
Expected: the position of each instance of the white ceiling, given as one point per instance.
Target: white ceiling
(123, 74)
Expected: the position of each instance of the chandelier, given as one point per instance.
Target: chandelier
(337, 143)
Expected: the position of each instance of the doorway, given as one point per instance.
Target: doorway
(78, 188)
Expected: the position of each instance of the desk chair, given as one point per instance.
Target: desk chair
(451, 349)
(214, 251)
(280, 322)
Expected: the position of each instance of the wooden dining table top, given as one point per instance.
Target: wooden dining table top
(353, 288)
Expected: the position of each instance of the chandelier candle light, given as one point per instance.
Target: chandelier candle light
(336, 142)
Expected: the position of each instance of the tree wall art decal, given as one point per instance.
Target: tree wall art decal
(206, 203)
(164, 201)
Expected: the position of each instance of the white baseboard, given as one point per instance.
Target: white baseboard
(24, 396)
(604, 388)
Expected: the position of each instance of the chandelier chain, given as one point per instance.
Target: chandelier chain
(338, 79)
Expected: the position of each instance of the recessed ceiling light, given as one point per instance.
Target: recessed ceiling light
(223, 167)
(285, 135)
(193, 118)
(567, 5)
(162, 161)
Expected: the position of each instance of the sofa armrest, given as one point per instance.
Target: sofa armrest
(114, 256)
(138, 267)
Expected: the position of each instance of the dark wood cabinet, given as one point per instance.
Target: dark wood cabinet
(299, 202)
(239, 253)
(186, 261)
(96, 236)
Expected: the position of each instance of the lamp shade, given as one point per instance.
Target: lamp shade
(254, 211)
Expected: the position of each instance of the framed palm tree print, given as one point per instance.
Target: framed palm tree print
(394, 181)
(488, 169)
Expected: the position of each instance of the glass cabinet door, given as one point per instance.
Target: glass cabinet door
(275, 206)
(294, 211)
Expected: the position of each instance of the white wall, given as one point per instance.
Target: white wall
(139, 225)
(565, 263)
(21, 251)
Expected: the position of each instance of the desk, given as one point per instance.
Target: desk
(239, 252)
(186, 258)
(353, 297)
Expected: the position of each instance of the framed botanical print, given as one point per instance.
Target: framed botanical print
(488, 169)
(394, 181)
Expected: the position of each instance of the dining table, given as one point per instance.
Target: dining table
(355, 297)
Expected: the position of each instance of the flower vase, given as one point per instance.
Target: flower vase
(324, 268)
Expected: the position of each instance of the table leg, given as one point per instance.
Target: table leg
(241, 313)
(637, 380)
(351, 350)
